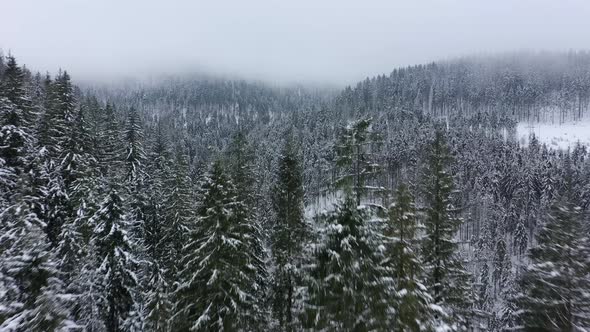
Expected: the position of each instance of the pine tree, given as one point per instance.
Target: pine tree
(77, 161)
(500, 256)
(59, 114)
(134, 154)
(411, 300)
(159, 304)
(555, 285)
(240, 166)
(217, 286)
(155, 224)
(15, 136)
(12, 86)
(484, 283)
(178, 211)
(355, 157)
(520, 238)
(508, 315)
(446, 278)
(34, 296)
(92, 296)
(110, 151)
(71, 251)
(117, 262)
(138, 204)
(289, 232)
(56, 200)
(346, 290)
(67, 158)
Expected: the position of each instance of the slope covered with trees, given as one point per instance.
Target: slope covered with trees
(206, 205)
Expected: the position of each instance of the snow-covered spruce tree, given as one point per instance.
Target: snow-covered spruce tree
(135, 173)
(412, 302)
(117, 263)
(346, 288)
(138, 204)
(84, 183)
(500, 268)
(57, 204)
(555, 285)
(110, 154)
(507, 317)
(59, 114)
(33, 294)
(77, 172)
(178, 211)
(9, 136)
(76, 160)
(484, 285)
(158, 300)
(67, 159)
(521, 239)
(218, 283)
(12, 85)
(355, 158)
(162, 271)
(240, 166)
(288, 234)
(134, 152)
(14, 123)
(154, 224)
(447, 280)
(75, 251)
(91, 300)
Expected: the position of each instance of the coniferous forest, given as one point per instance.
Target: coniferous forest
(192, 203)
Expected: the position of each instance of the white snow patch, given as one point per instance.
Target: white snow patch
(556, 136)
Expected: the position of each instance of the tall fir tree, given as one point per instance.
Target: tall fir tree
(117, 264)
(179, 211)
(554, 287)
(447, 279)
(134, 152)
(240, 165)
(34, 296)
(110, 153)
(346, 288)
(15, 136)
(412, 302)
(217, 286)
(288, 234)
(356, 158)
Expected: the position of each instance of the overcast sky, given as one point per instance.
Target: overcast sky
(332, 41)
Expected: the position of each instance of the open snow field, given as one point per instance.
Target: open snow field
(555, 135)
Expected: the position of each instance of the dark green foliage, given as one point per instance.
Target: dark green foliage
(411, 301)
(116, 261)
(555, 285)
(346, 288)
(289, 234)
(14, 132)
(110, 153)
(446, 278)
(356, 158)
(217, 285)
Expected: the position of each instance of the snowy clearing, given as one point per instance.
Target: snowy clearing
(555, 135)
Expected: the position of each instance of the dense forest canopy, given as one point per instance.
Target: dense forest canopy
(404, 203)
(527, 86)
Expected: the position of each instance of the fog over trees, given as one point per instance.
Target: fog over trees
(334, 165)
(404, 202)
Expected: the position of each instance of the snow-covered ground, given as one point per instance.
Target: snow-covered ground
(555, 135)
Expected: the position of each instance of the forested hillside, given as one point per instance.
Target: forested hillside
(527, 86)
(198, 204)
